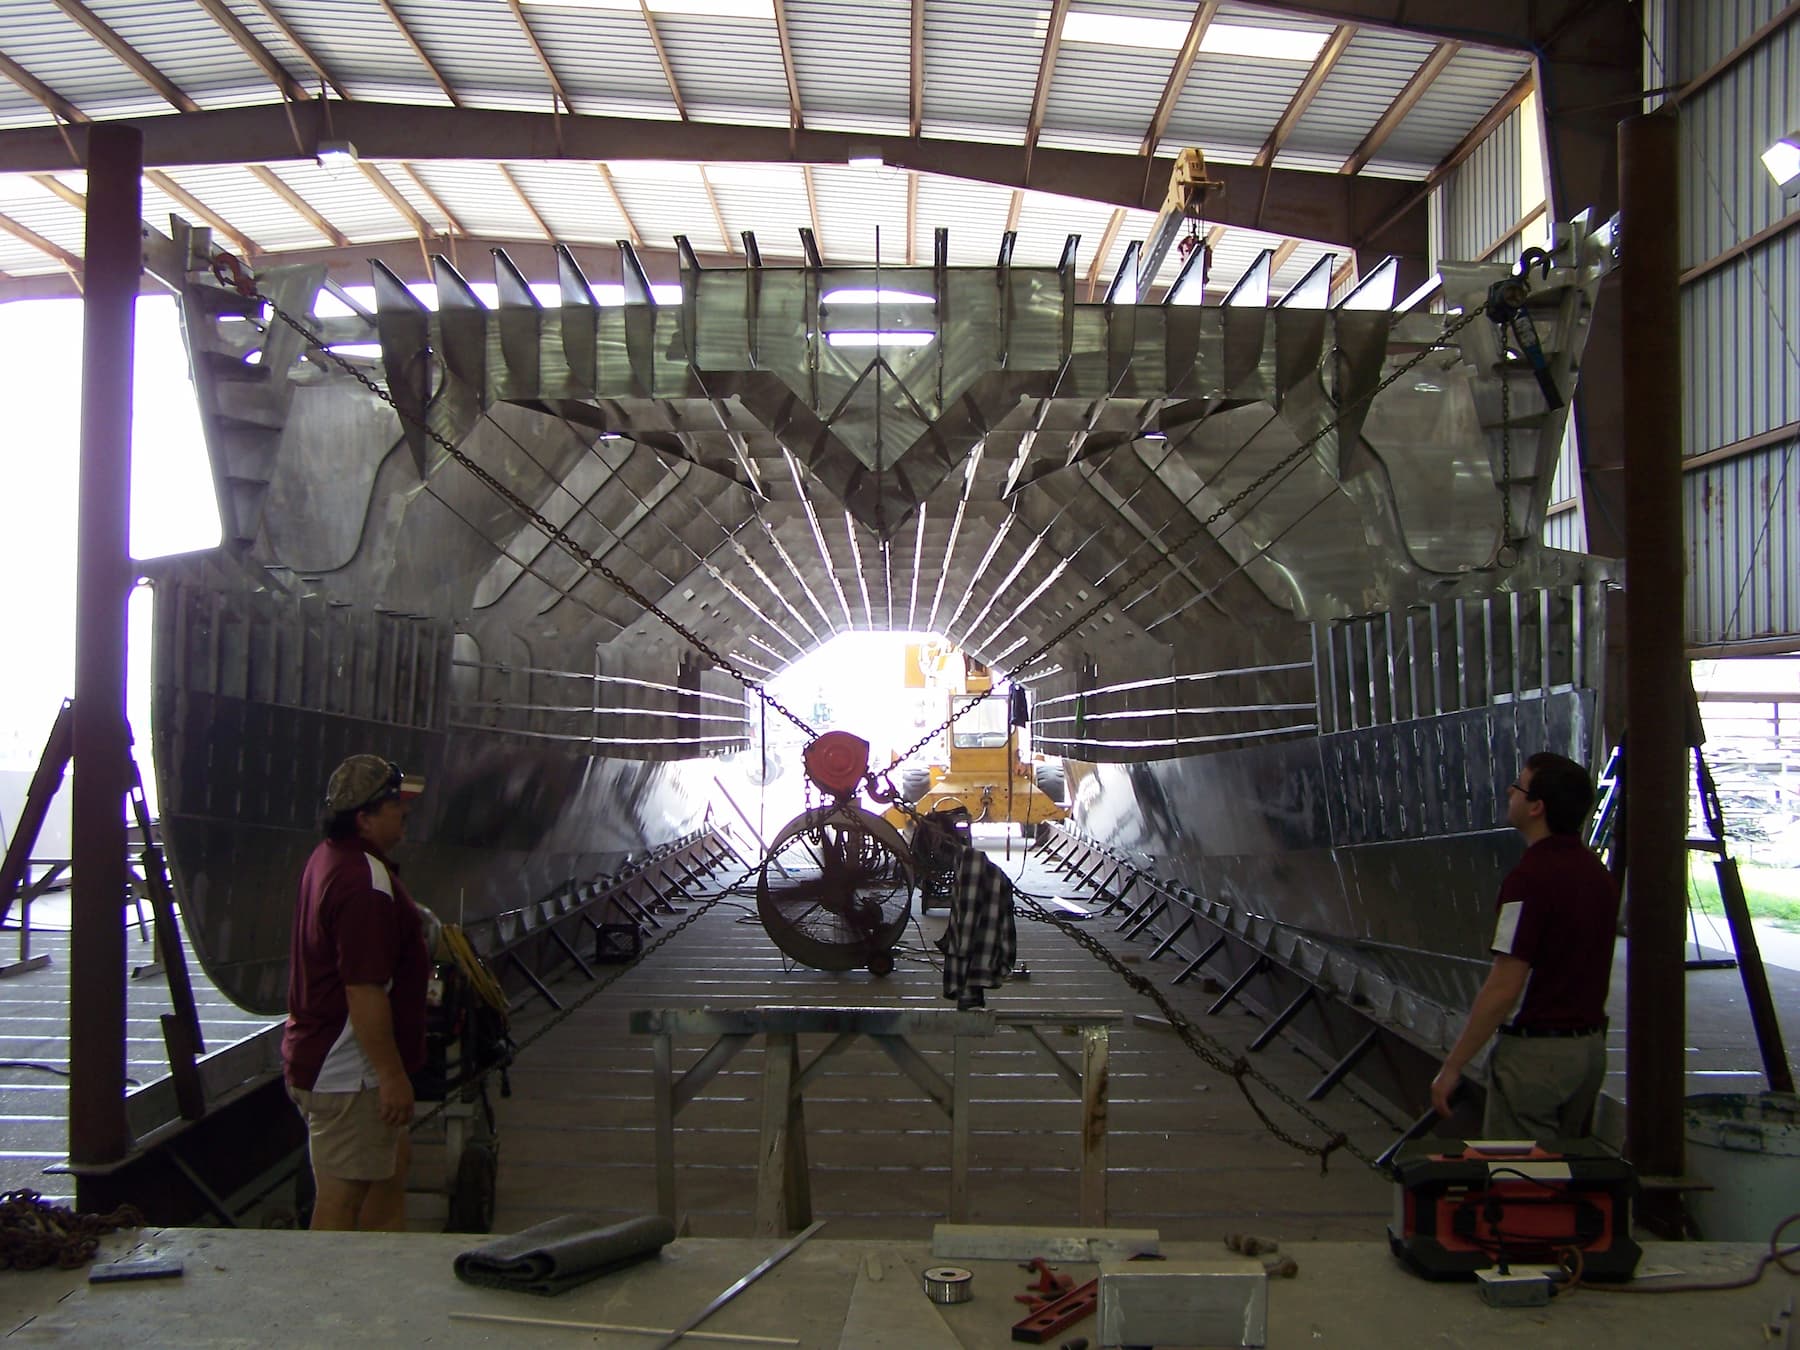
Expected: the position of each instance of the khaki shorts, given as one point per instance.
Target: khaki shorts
(346, 1135)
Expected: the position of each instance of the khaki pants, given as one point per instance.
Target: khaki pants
(346, 1135)
(1544, 1087)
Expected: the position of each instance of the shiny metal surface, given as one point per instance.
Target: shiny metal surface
(259, 695)
(770, 488)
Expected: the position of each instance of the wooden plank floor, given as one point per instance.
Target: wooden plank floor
(34, 1042)
(1186, 1153)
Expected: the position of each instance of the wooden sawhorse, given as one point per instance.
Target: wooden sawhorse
(783, 1195)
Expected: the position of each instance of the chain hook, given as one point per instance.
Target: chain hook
(231, 273)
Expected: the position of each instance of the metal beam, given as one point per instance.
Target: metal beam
(295, 41)
(269, 179)
(418, 49)
(133, 59)
(612, 190)
(812, 207)
(712, 200)
(42, 92)
(246, 40)
(98, 1131)
(1106, 242)
(41, 244)
(1040, 97)
(421, 227)
(916, 96)
(912, 218)
(1738, 53)
(1304, 205)
(795, 118)
(1656, 694)
(169, 187)
(525, 201)
(662, 55)
(557, 92)
(450, 220)
(1178, 74)
(1305, 94)
(1404, 102)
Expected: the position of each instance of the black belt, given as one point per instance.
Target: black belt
(1531, 1033)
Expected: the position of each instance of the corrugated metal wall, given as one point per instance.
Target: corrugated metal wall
(1482, 198)
(1740, 321)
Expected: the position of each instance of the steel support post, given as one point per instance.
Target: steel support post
(114, 265)
(1656, 692)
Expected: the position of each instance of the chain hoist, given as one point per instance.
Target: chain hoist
(1507, 307)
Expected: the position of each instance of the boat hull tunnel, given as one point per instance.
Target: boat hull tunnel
(1231, 593)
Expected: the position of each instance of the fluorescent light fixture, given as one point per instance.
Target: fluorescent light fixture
(1122, 30)
(911, 337)
(1153, 436)
(1782, 160)
(852, 296)
(1267, 44)
(364, 349)
(336, 154)
(865, 157)
(717, 9)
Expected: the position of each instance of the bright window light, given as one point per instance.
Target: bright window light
(1782, 160)
(853, 296)
(1120, 30)
(1269, 44)
(719, 9)
(899, 338)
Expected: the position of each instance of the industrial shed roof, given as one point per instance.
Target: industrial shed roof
(1121, 77)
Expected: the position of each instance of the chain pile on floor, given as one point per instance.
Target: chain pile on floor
(35, 1233)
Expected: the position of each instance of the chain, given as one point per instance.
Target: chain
(555, 533)
(35, 1233)
(1211, 1052)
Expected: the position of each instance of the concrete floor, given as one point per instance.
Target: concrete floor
(253, 1289)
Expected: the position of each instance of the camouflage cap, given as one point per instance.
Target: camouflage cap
(368, 780)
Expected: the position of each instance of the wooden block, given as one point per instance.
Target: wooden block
(986, 1242)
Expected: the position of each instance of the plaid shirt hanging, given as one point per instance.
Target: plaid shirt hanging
(980, 945)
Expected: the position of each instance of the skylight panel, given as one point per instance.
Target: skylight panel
(1121, 30)
(1268, 44)
(717, 9)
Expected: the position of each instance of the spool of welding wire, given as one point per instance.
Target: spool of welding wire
(949, 1284)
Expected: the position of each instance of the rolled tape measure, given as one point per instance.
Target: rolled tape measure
(949, 1284)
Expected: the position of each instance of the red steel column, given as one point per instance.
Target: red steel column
(103, 580)
(1656, 676)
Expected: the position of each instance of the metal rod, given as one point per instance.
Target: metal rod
(1656, 687)
(98, 1132)
(734, 1338)
(757, 1271)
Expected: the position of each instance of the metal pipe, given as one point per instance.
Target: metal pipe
(98, 1132)
(1656, 671)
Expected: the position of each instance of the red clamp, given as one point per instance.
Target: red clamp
(230, 271)
(1049, 1285)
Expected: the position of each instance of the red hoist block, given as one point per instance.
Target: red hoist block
(837, 762)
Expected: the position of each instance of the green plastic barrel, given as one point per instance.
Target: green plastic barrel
(1747, 1147)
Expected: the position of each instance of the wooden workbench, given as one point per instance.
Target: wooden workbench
(276, 1289)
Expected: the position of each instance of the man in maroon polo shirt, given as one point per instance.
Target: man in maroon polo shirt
(356, 1000)
(1553, 945)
